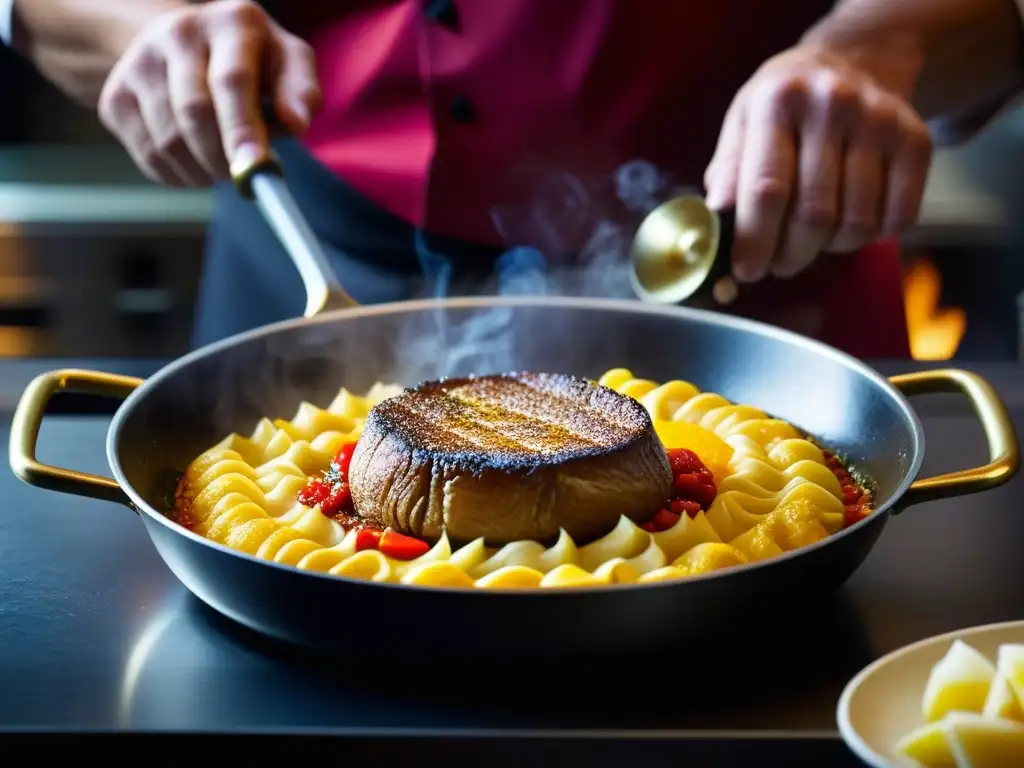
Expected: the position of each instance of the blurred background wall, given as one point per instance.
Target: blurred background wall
(96, 261)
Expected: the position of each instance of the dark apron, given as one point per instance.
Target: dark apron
(248, 280)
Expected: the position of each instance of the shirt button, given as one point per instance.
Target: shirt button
(462, 110)
(443, 12)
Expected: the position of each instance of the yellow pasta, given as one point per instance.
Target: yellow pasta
(775, 493)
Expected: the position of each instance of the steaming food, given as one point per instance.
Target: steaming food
(506, 458)
(328, 490)
(973, 710)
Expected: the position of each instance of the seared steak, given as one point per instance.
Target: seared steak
(508, 457)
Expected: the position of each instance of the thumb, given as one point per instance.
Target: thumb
(292, 82)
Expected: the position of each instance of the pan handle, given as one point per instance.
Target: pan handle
(1003, 448)
(28, 418)
(262, 179)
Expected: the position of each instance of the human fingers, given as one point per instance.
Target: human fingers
(765, 186)
(237, 35)
(190, 99)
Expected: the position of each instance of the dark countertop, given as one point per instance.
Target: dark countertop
(96, 634)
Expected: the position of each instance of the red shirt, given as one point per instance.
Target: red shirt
(542, 122)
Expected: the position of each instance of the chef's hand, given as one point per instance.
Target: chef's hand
(184, 98)
(816, 155)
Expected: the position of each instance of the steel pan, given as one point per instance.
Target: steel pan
(191, 404)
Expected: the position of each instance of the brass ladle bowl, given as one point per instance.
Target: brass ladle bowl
(682, 250)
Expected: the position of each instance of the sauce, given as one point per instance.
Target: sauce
(694, 490)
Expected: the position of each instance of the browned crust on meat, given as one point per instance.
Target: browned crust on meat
(508, 457)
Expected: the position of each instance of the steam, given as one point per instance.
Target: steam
(272, 374)
(484, 342)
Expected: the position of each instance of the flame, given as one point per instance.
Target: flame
(935, 331)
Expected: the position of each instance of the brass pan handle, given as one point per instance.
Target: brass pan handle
(1003, 448)
(28, 418)
(262, 179)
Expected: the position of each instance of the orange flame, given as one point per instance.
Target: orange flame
(935, 331)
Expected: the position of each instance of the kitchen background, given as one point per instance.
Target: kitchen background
(95, 261)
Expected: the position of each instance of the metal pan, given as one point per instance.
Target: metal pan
(167, 420)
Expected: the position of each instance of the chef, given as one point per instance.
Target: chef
(436, 138)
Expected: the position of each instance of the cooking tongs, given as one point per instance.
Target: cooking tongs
(680, 254)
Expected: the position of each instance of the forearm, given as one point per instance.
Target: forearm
(956, 59)
(75, 43)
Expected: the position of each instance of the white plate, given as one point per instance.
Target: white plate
(883, 703)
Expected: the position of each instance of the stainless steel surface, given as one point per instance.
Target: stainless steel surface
(95, 632)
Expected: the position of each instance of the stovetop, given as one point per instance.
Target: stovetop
(95, 632)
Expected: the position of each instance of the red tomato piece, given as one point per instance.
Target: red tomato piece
(664, 519)
(686, 507)
(343, 459)
(315, 492)
(367, 538)
(685, 485)
(402, 547)
(683, 460)
(854, 513)
(705, 495)
(337, 499)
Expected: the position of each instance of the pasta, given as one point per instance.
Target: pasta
(776, 492)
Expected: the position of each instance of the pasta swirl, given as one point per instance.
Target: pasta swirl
(776, 493)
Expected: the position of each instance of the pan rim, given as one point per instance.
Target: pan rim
(758, 328)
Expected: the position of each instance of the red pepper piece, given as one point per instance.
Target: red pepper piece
(367, 538)
(649, 527)
(683, 461)
(402, 547)
(686, 507)
(337, 499)
(314, 492)
(343, 459)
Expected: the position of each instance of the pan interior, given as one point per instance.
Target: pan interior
(228, 387)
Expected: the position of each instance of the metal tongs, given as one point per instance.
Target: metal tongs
(680, 254)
